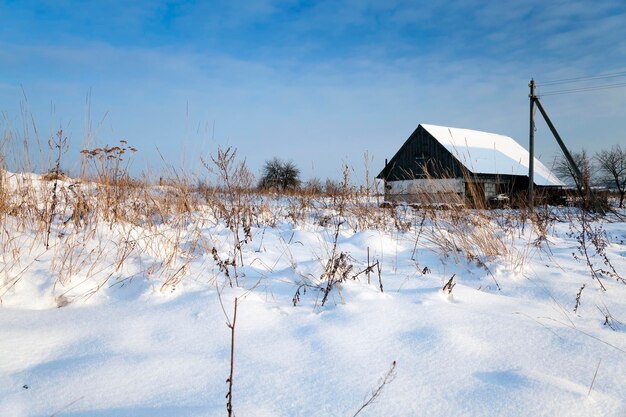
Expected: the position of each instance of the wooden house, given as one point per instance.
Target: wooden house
(439, 164)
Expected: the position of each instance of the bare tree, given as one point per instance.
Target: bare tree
(612, 167)
(566, 172)
(279, 175)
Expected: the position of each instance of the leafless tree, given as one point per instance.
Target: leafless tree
(612, 168)
(566, 172)
(279, 175)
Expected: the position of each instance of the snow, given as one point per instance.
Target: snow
(127, 344)
(490, 153)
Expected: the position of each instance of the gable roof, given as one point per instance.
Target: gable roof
(490, 153)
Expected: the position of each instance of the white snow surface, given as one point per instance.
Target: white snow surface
(134, 347)
(490, 153)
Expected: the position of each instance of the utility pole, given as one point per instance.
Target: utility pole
(531, 147)
(568, 156)
(534, 101)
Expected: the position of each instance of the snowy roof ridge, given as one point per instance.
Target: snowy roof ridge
(490, 153)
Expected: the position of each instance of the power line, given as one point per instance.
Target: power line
(584, 78)
(581, 89)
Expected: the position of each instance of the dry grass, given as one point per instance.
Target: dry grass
(160, 225)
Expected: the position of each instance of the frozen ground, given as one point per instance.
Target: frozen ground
(98, 325)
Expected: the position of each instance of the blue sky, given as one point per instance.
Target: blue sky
(319, 83)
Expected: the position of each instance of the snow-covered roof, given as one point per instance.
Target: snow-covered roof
(489, 153)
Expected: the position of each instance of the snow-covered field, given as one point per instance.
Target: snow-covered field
(129, 317)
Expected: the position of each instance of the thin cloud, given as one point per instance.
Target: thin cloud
(300, 79)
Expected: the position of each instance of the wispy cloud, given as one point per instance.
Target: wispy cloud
(301, 78)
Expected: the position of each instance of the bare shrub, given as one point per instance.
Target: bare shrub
(233, 204)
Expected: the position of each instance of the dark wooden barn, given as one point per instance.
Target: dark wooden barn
(439, 164)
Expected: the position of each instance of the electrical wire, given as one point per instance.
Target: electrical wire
(582, 79)
(581, 89)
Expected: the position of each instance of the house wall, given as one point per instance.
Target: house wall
(431, 186)
(426, 191)
(475, 189)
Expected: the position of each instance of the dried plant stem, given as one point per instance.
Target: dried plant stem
(368, 265)
(447, 288)
(231, 326)
(594, 378)
(388, 378)
(583, 248)
(60, 145)
(578, 294)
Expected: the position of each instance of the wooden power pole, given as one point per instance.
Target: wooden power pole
(531, 147)
(534, 101)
